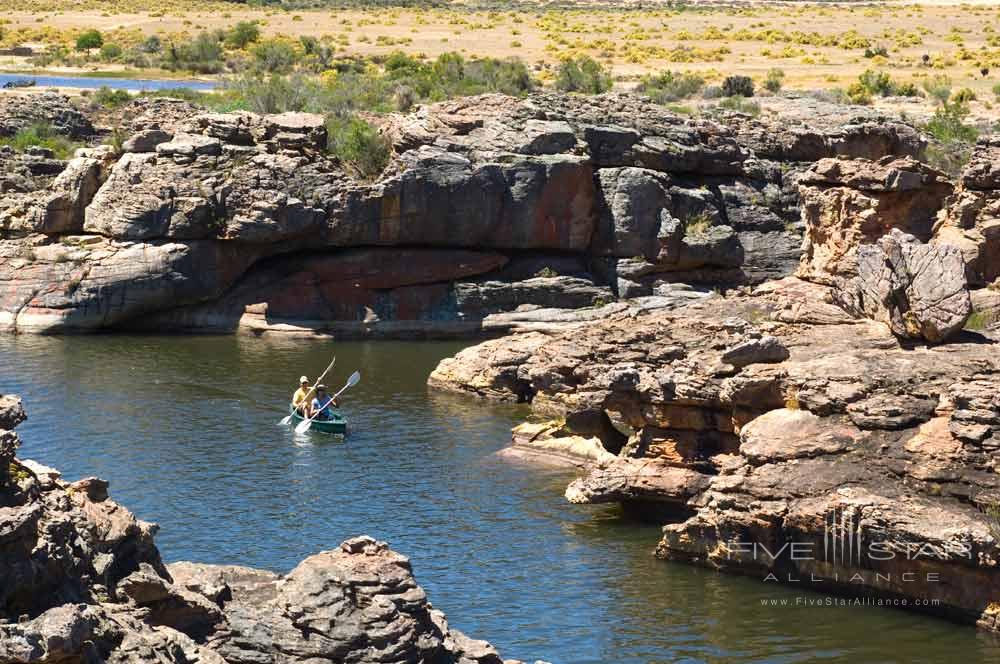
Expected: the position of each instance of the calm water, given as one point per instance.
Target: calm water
(185, 429)
(113, 83)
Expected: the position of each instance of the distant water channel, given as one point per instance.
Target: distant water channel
(185, 430)
(134, 84)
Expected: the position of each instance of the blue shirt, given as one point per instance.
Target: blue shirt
(327, 402)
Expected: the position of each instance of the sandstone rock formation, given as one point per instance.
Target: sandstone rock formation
(82, 581)
(237, 221)
(918, 290)
(773, 416)
(847, 204)
(20, 111)
(971, 218)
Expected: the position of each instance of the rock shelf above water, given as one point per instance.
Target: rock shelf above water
(495, 213)
(902, 437)
(853, 404)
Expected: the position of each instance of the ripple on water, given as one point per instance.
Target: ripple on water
(185, 429)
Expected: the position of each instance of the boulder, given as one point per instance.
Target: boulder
(490, 369)
(784, 434)
(754, 350)
(918, 290)
(78, 285)
(800, 128)
(164, 114)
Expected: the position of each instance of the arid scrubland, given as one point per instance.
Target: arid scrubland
(817, 46)
(939, 64)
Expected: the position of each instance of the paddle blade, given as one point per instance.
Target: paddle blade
(354, 379)
(303, 426)
(285, 420)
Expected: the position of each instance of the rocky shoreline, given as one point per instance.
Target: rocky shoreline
(81, 581)
(496, 214)
(836, 429)
(767, 334)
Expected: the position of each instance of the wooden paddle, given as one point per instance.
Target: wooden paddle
(288, 418)
(304, 425)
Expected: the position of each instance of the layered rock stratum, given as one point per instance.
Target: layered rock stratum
(772, 331)
(82, 582)
(836, 429)
(495, 213)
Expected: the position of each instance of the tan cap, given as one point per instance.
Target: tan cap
(304, 379)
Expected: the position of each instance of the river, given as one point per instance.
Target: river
(185, 428)
(93, 82)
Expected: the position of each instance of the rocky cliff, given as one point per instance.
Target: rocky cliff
(495, 213)
(81, 581)
(837, 430)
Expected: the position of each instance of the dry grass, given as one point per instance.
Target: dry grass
(817, 46)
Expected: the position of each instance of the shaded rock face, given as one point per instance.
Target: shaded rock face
(20, 111)
(763, 417)
(81, 581)
(193, 224)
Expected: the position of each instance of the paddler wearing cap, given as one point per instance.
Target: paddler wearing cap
(300, 400)
(321, 404)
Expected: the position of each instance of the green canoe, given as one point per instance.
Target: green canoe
(337, 425)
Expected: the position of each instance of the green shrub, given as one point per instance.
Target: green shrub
(116, 140)
(698, 224)
(271, 94)
(111, 52)
(151, 45)
(876, 51)
(202, 55)
(358, 145)
(43, 136)
(948, 124)
(952, 145)
(670, 86)
(979, 320)
(89, 39)
(964, 96)
(857, 93)
(275, 56)
(740, 104)
(737, 86)
(876, 82)
(583, 74)
(242, 34)
(908, 89)
(879, 83)
(357, 87)
(774, 80)
(938, 87)
(105, 96)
